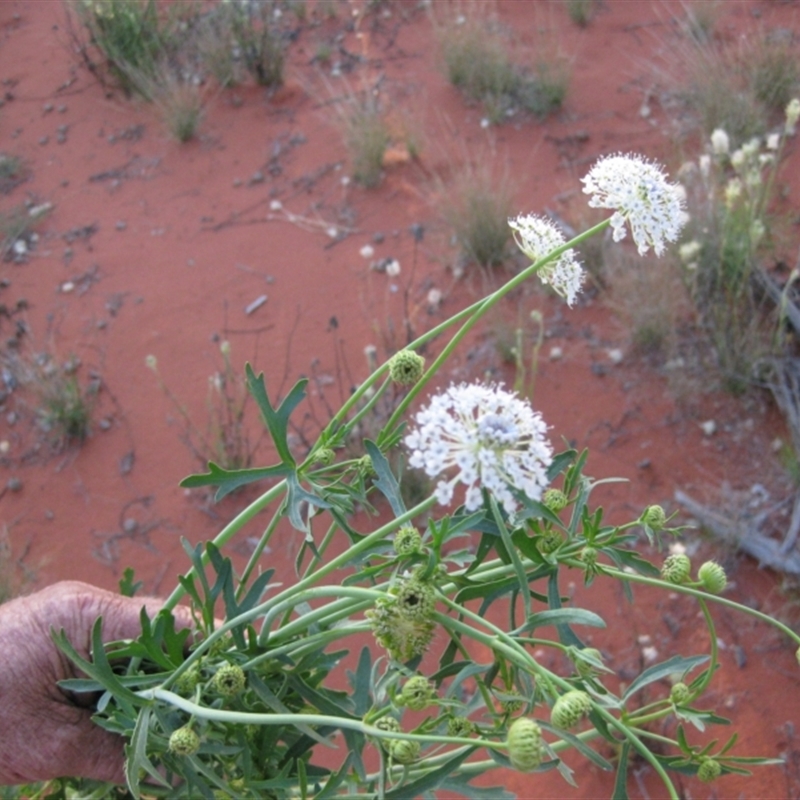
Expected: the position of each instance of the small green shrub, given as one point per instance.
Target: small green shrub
(64, 405)
(367, 137)
(580, 11)
(12, 172)
(181, 107)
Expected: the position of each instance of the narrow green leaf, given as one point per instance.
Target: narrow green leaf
(387, 484)
(565, 634)
(136, 752)
(276, 420)
(231, 480)
(579, 745)
(621, 783)
(505, 536)
(560, 617)
(676, 664)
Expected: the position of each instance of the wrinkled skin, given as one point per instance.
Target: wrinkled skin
(45, 732)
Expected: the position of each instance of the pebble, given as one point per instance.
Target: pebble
(44, 140)
(237, 182)
(47, 108)
(556, 353)
(14, 485)
(11, 418)
(378, 238)
(257, 177)
(129, 525)
(104, 424)
(709, 427)
(615, 356)
(5, 446)
(67, 287)
(20, 247)
(367, 251)
(121, 225)
(62, 109)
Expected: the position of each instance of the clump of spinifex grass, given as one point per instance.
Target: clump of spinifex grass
(476, 61)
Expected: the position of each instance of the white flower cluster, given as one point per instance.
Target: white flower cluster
(538, 237)
(495, 441)
(640, 195)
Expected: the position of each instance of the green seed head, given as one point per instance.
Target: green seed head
(680, 694)
(589, 556)
(388, 724)
(406, 367)
(407, 541)
(709, 770)
(676, 568)
(364, 467)
(416, 600)
(324, 456)
(555, 500)
(417, 693)
(460, 726)
(404, 751)
(229, 680)
(524, 744)
(549, 542)
(570, 709)
(654, 517)
(584, 668)
(712, 576)
(184, 742)
(512, 701)
(187, 682)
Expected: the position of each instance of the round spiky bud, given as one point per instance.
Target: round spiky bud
(555, 500)
(416, 600)
(324, 456)
(680, 694)
(187, 682)
(512, 701)
(364, 467)
(524, 744)
(654, 517)
(407, 541)
(404, 751)
(460, 726)
(709, 770)
(549, 541)
(584, 668)
(589, 556)
(229, 680)
(676, 568)
(712, 576)
(406, 367)
(388, 724)
(417, 693)
(184, 741)
(570, 709)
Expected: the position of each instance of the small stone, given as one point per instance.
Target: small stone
(367, 251)
(129, 525)
(121, 225)
(62, 109)
(709, 427)
(378, 238)
(67, 287)
(5, 446)
(615, 356)
(104, 424)
(14, 485)
(49, 515)
(257, 177)
(275, 205)
(556, 353)
(44, 140)
(11, 418)
(237, 182)
(61, 138)
(20, 247)
(47, 108)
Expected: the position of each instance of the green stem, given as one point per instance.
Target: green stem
(255, 556)
(241, 519)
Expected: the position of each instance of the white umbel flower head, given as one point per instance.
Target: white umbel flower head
(537, 237)
(640, 194)
(495, 440)
(720, 143)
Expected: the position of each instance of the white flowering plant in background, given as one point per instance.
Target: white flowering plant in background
(251, 705)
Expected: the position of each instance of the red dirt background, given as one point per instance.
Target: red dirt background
(184, 239)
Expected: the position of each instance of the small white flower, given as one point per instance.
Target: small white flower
(792, 115)
(640, 195)
(720, 143)
(538, 237)
(495, 441)
(773, 141)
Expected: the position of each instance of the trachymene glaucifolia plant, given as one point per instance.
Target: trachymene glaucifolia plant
(263, 699)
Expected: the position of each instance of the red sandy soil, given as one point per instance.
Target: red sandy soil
(184, 240)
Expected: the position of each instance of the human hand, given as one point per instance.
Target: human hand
(44, 732)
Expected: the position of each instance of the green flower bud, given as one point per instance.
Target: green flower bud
(416, 600)
(364, 467)
(676, 568)
(549, 542)
(712, 576)
(187, 682)
(404, 751)
(406, 367)
(511, 701)
(407, 541)
(388, 724)
(680, 694)
(584, 668)
(709, 770)
(570, 709)
(324, 456)
(229, 680)
(555, 500)
(417, 693)
(524, 742)
(184, 742)
(460, 726)
(589, 556)
(654, 517)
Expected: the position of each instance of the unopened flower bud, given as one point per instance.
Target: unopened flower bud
(584, 668)
(406, 367)
(187, 681)
(570, 709)
(680, 694)
(549, 541)
(407, 541)
(460, 726)
(225, 348)
(388, 724)
(676, 568)
(712, 576)
(184, 742)
(654, 517)
(524, 744)
(229, 680)
(404, 751)
(364, 467)
(324, 456)
(417, 693)
(555, 500)
(589, 556)
(709, 770)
